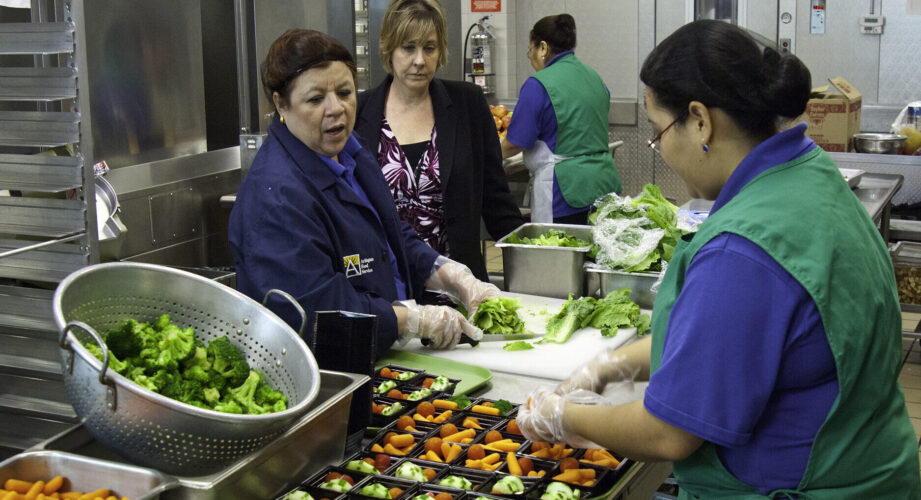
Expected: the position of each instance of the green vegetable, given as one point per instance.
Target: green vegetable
(406, 375)
(563, 324)
(461, 400)
(456, 482)
(624, 230)
(552, 238)
(375, 490)
(508, 485)
(392, 409)
(560, 491)
(169, 360)
(440, 383)
(385, 386)
(422, 497)
(520, 345)
(503, 406)
(497, 315)
(298, 495)
(339, 485)
(615, 311)
(409, 470)
(361, 466)
(420, 394)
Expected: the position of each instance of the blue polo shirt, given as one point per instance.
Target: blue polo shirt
(746, 363)
(534, 119)
(344, 169)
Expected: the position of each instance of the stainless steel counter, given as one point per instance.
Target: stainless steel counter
(875, 192)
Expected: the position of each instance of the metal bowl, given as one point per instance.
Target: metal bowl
(890, 144)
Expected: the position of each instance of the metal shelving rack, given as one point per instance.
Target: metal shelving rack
(44, 224)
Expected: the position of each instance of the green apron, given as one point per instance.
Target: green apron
(581, 103)
(799, 212)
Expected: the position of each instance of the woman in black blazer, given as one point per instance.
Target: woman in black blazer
(435, 139)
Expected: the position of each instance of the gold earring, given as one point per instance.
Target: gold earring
(281, 118)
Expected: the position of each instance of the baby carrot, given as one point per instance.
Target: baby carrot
(485, 409)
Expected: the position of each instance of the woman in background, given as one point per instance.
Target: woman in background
(561, 123)
(435, 140)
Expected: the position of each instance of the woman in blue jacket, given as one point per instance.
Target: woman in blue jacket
(314, 216)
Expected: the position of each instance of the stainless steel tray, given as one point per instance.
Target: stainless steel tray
(87, 474)
(852, 176)
(315, 440)
(600, 282)
(545, 271)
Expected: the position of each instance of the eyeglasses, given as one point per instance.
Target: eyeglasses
(653, 143)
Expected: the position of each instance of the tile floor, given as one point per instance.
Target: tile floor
(909, 377)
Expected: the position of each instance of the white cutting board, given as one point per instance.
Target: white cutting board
(552, 361)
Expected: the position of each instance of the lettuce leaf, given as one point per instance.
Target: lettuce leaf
(552, 238)
(498, 315)
(616, 311)
(563, 324)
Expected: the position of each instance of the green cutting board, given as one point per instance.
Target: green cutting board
(471, 377)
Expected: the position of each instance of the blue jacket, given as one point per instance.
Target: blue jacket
(297, 227)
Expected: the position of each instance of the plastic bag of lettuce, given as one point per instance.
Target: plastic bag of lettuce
(634, 234)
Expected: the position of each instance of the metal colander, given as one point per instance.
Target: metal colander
(153, 430)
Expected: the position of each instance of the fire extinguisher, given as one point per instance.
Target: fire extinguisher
(481, 59)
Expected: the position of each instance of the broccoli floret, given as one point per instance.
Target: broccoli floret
(271, 399)
(217, 380)
(162, 322)
(245, 394)
(228, 406)
(176, 344)
(211, 395)
(197, 373)
(198, 358)
(167, 382)
(115, 364)
(125, 341)
(228, 360)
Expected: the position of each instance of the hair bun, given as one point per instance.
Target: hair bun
(786, 83)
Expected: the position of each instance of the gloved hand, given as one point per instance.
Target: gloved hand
(456, 280)
(442, 325)
(541, 418)
(607, 367)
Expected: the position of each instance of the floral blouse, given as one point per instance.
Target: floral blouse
(416, 191)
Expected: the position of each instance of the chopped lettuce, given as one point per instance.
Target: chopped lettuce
(520, 345)
(498, 315)
(552, 238)
(563, 324)
(616, 311)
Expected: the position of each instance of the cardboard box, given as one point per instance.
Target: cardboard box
(833, 114)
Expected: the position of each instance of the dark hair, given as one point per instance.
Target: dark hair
(296, 51)
(720, 65)
(558, 31)
(406, 20)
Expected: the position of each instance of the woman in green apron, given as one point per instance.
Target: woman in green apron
(776, 332)
(561, 124)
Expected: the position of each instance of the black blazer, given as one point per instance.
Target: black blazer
(470, 161)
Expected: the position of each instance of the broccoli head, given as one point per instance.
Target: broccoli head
(199, 356)
(228, 361)
(228, 405)
(115, 364)
(176, 344)
(125, 341)
(266, 396)
(245, 394)
(211, 395)
(198, 374)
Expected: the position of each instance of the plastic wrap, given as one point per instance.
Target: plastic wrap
(625, 243)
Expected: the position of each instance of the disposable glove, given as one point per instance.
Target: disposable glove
(541, 418)
(442, 325)
(455, 279)
(607, 367)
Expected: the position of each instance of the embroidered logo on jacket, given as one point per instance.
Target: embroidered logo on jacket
(356, 266)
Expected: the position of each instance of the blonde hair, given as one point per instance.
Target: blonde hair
(407, 20)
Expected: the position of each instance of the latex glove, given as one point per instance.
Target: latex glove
(457, 280)
(442, 325)
(541, 418)
(607, 367)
